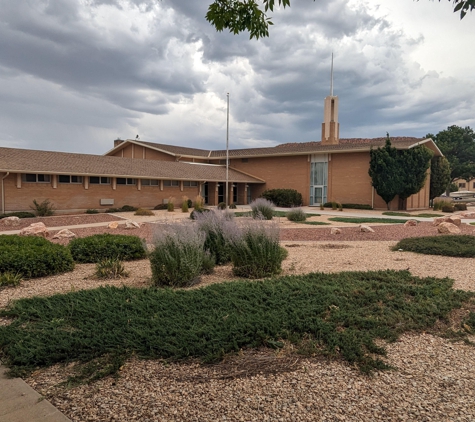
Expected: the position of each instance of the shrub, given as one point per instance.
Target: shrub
(255, 250)
(43, 209)
(322, 206)
(438, 204)
(448, 208)
(19, 214)
(232, 207)
(92, 211)
(199, 203)
(214, 225)
(110, 268)
(222, 206)
(296, 214)
(184, 206)
(33, 256)
(111, 210)
(460, 207)
(171, 204)
(334, 205)
(178, 258)
(262, 208)
(10, 279)
(102, 246)
(283, 197)
(128, 208)
(189, 202)
(462, 246)
(160, 207)
(143, 211)
(196, 212)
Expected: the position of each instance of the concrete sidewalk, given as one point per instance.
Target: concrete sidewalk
(20, 403)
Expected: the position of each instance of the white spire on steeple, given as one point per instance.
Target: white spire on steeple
(331, 83)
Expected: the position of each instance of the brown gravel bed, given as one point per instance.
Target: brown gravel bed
(62, 220)
(381, 232)
(433, 379)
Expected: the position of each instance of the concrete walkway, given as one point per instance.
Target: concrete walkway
(20, 403)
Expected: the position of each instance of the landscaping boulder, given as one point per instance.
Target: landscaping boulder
(467, 214)
(438, 220)
(454, 219)
(113, 225)
(366, 229)
(11, 221)
(129, 224)
(448, 228)
(411, 223)
(65, 233)
(335, 230)
(35, 229)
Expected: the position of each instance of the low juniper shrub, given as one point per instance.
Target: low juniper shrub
(92, 211)
(19, 214)
(232, 207)
(222, 206)
(262, 209)
(33, 256)
(144, 211)
(103, 246)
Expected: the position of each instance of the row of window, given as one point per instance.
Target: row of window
(464, 185)
(96, 180)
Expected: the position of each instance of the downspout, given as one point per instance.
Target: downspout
(3, 192)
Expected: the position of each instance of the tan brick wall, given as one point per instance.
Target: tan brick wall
(73, 197)
(291, 172)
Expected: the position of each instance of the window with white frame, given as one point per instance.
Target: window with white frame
(150, 182)
(170, 183)
(36, 178)
(462, 185)
(66, 178)
(97, 180)
(125, 181)
(189, 184)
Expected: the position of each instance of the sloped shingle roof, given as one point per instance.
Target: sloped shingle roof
(48, 162)
(345, 145)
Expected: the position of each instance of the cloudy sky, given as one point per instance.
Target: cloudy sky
(77, 74)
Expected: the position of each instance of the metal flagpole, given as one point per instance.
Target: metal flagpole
(227, 153)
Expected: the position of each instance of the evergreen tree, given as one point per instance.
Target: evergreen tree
(413, 166)
(384, 171)
(439, 176)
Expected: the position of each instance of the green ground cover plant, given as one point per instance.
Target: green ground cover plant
(339, 315)
(462, 246)
(19, 214)
(350, 206)
(102, 246)
(33, 256)
(10, 279)
(363, 220)
(316, 223)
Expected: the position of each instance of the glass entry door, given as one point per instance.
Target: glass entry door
(318, 179)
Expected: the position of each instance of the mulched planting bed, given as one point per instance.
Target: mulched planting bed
(386, 232)
(64, 220)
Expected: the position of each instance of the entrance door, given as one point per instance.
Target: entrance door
(220, 192)
(318, 195)
(204, 192)
(235, 194)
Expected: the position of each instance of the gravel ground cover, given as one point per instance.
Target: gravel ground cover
(62, 220)
(433, 379)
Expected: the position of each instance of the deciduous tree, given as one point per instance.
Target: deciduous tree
(250, 15)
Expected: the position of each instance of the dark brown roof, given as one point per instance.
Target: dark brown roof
(48, 162)
(294, 148)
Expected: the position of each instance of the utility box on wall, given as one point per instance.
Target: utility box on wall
(107, 202)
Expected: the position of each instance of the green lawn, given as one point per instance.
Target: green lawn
(406, 214)
(275, 214)
(363, 220)
(338, 315)
(314, 223)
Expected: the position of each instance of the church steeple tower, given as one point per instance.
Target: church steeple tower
(330, 125)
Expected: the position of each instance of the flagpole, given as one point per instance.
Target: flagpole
(227, 153)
